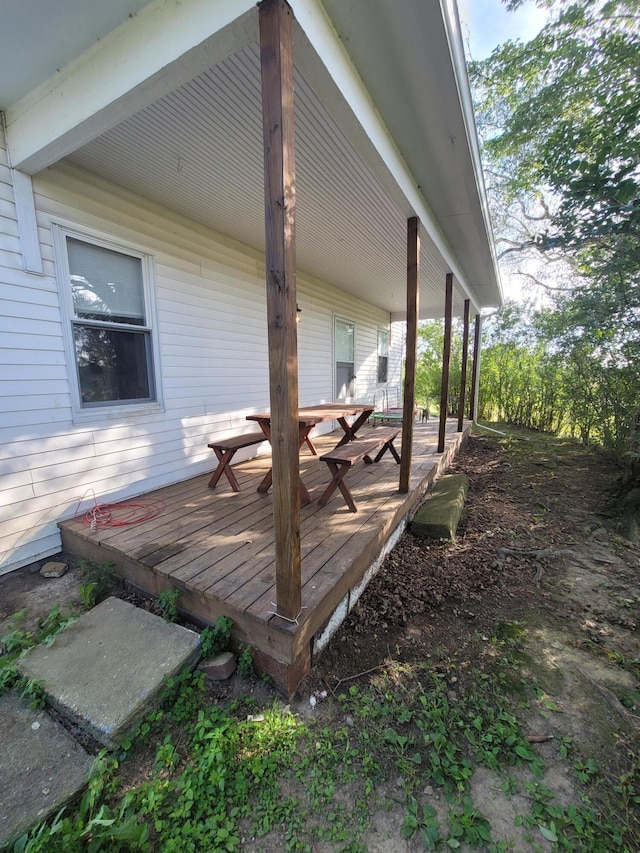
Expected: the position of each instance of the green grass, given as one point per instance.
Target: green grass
(200, 774)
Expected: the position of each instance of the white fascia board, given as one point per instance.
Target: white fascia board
(456, 50)
(152, 53)
(316, 25)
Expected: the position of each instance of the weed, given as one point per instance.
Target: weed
(99, 580)
(17, 641)
(32, 691)
(216, 638)
(245, 662)
(586, 770)
(565, 744)
(468, 827)
(423, 820)
(8, 676)
(168, 604)
(88, 594)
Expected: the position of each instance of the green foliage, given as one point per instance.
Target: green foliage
(88, 594)
(98, 579)
(564, 116)
(560, 121)
(468, 826)
(215, 638)
(17, 641)
(32, 691)
(168, 604)
(423, 820)
(216, 775)
(245, 662)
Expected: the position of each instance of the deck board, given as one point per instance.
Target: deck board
(217, 546)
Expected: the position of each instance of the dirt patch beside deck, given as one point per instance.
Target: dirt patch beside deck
(539, 566)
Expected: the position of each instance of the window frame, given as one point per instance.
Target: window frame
(117, 409)
(342, 319)
(386, 332)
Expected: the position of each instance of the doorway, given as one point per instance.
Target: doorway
(344, 338)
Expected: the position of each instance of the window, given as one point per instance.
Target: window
(383, 354)
(344, 346)
(110, 337)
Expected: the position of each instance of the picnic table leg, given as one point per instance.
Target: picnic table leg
(224, 463)
(310, 444)
(351, 430)
(383, 450)
(337, 481)
(265, 483)
(303, 436)
(267, 480)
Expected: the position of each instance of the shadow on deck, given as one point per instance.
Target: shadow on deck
(217, 548)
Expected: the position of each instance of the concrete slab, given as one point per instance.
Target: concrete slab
(41, 767)
(438, 516)
(104, 670)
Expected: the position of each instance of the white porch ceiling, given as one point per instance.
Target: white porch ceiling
(198, 150)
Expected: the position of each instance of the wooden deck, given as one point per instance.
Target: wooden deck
(217, 547)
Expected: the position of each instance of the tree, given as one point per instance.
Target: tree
(429, 365)
(565, 112)
(560, 121)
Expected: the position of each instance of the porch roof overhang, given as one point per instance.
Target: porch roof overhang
(163, 98)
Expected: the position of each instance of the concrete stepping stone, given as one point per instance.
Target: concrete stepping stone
(438, 516)
(104, 671)
(41, 767)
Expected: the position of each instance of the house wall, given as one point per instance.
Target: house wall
(211, 328)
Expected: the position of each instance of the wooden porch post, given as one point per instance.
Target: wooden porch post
(413, 274)
(446, 358)
(276, 59)
(475, 369)
(463, 368)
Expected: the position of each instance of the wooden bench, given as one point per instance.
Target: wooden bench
(343, 458)
(225, 449)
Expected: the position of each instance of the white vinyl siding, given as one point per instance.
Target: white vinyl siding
(212, 339)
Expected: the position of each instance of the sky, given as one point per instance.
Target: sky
(486, 24)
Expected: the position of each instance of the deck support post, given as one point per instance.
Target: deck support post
(276, 60)
(475, 368)
(446, 358)
(409, 397)
(463, 366)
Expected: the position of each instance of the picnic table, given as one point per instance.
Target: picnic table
(308, 417)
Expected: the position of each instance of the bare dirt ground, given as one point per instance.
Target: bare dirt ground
(538, 561)
(539, 566)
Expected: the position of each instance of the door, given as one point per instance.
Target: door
(344, 337)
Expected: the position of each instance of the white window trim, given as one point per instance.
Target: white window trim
(60, 230)
(388, 333)
(353, 323)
